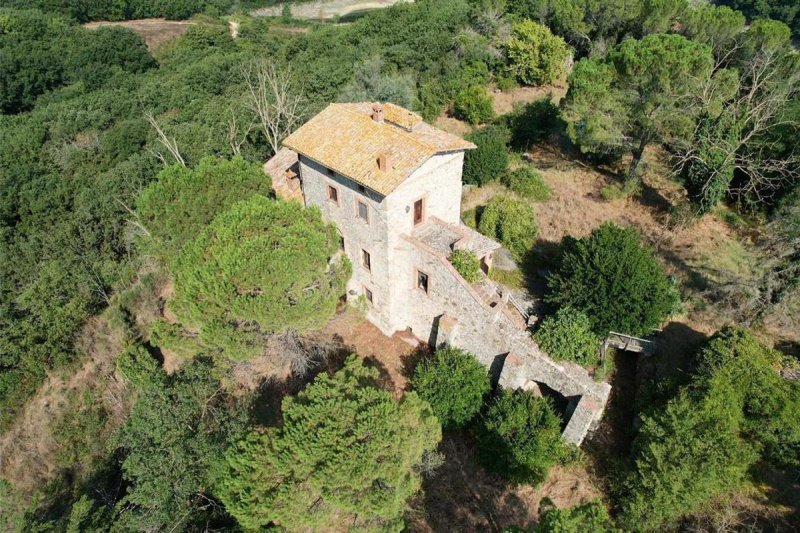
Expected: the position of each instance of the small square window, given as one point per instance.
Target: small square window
(333, 194)
(366, 260)
(422, 281)
(368, 295)
(363, 211)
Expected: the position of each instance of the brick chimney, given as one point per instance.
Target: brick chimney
(383, 162)
(377, 112)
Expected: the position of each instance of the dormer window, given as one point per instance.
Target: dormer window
(362, 211)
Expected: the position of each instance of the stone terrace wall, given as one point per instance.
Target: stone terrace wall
(453, 313)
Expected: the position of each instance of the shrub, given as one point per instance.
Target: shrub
(527, 182)
(511, 222)
(535, 55)
(520, 437)
(474, 105)
(490, 159)
(344, 439)
(568, 335)
(454, 383)
(467, 264)
(615, 280)
(533, 122)
(590, 517)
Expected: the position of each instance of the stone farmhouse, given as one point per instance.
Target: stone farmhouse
(392, 184)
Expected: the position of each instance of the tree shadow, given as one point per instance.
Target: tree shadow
(413, 358)
(384, 379)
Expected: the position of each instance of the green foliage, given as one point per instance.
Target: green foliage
(532, 123)
(520, 437)
(615, 280)
(454, 383)
(182, 201)
(511, 222)
(86, 10)
(784, 10)
(568, 335)
(589, 517)
(490, 159)
(139, 367)
(263, 262)
(736, 411)
(535, 55)
(371, 83)
(179, 424)
(347, 453)
(467, 264)
(527, 182)
(639, 94)
(474, 105)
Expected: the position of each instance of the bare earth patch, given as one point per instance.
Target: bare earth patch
(504, 101)
(155, 32)
(462, 496)
(28, 449)
(327, 9)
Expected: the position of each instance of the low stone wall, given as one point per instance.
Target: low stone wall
(453, 313)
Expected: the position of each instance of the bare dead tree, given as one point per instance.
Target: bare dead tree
(170, 144)
(757, 110)
(274, 98)
(237, 131)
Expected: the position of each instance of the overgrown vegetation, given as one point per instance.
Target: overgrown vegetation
(568, 335)
(511, 222)
(467, 264)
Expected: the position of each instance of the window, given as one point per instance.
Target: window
(333, 194)
(341, 243)
(419, 211)
(366, 261)
(368, 294)
(330, 172)
(362, 189)
(362, 211)
(422, 281)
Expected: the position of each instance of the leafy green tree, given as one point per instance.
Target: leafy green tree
(347, 454)
(371, 82)
(716, 26)
(520, 437)
(182, 201)
(474, 105)
(454, 383)
(615, 280)
(179, 424)
(467, 264)
(490, 159)
(786, 11)
(512, 222)
(589, 517)
(260, 268)
(644, 91)
(568, 335)
(535, 55)
(527, 182)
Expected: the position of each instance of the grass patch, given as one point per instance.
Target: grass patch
(618, 191)
(510, 278)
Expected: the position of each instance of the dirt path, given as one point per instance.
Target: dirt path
(325, 9)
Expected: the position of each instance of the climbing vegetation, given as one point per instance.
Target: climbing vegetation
(454, 383)
(346, 456)
(568, 335)
(511, 222)
(467, 264)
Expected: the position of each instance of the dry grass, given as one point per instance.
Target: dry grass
(155, 32)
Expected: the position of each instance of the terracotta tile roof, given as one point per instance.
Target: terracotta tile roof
(345, 138)
(282, 168)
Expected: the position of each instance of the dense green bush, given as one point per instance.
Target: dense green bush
(511, 222)
(474, 105)
(589, 517)
(454, 383)
(467, 264)
(344, 440)
(737, 410)
(180, 203)
(528, 182)
(615, 280)
(535, 55)
(568, 335)
(490, 159)
(520, 437)
(264, 266)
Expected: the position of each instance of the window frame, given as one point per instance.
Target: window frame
(359, 203)
(427, 289)
(335, 191)
(423, 200)
(366, 260)
(369, 295)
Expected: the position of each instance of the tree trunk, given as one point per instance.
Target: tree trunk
(633, 168)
